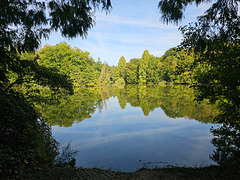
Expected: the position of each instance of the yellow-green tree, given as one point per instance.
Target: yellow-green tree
(132, 73)
(73, 62)
(121, 68)
(143, 65)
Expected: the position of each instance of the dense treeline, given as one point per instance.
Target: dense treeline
(173, 67)
(82, 69)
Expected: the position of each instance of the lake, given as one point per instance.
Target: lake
(135, 126)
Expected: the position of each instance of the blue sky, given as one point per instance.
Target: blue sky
(131, 27)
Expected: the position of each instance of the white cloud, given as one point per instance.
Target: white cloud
(132, 21)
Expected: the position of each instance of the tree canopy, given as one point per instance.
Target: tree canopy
(73, 62)
(26, 140)
(215, 38)
(24, 23)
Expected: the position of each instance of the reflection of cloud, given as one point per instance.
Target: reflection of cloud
(203, 138)
(95, 140)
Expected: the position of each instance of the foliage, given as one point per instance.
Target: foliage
(120, 82)
(175, 66)
(24, 23)
(109, 75)
(153, 71)
(26, 139)
(172, 10)
(227, 142)
(215, 38)
(132, 71)
(103, 71)
(121, 68)
(73, 62)
(143, 65)
(221, 80)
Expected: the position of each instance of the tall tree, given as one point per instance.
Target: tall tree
(132, 71)
(143, 65)
(103, 71)
(152, 71)
(121, 68)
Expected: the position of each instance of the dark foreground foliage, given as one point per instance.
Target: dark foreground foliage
(26, 140)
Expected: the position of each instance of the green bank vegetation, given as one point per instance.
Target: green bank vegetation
(175, 66)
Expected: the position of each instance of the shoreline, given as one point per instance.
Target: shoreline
(209, 172)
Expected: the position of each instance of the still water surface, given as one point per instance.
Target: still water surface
(129, 137)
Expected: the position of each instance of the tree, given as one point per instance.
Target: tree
(103, 71)
(215, 38)
(121, 68)
(25, 138)
(24, 23)
(132, 74)
(152, 71)
(143, 65)
(73, 62)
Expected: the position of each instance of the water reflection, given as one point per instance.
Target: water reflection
(127, 128)
(64, 109)
(227, 142)
(134, 126)
(125, 139)
(175, 101)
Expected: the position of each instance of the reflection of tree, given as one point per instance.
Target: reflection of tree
(178, 101)
(175, 101)
(227, 153)
(133, 95)
(69, 109)
(227, 142)
(227, 139)
(143, 99)
(121, 95)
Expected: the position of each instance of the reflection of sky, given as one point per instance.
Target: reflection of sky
(118, 138)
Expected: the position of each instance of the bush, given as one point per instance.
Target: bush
(120, 82)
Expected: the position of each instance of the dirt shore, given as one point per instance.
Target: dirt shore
(178, 173)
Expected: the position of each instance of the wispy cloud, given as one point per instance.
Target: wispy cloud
(132, 21)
